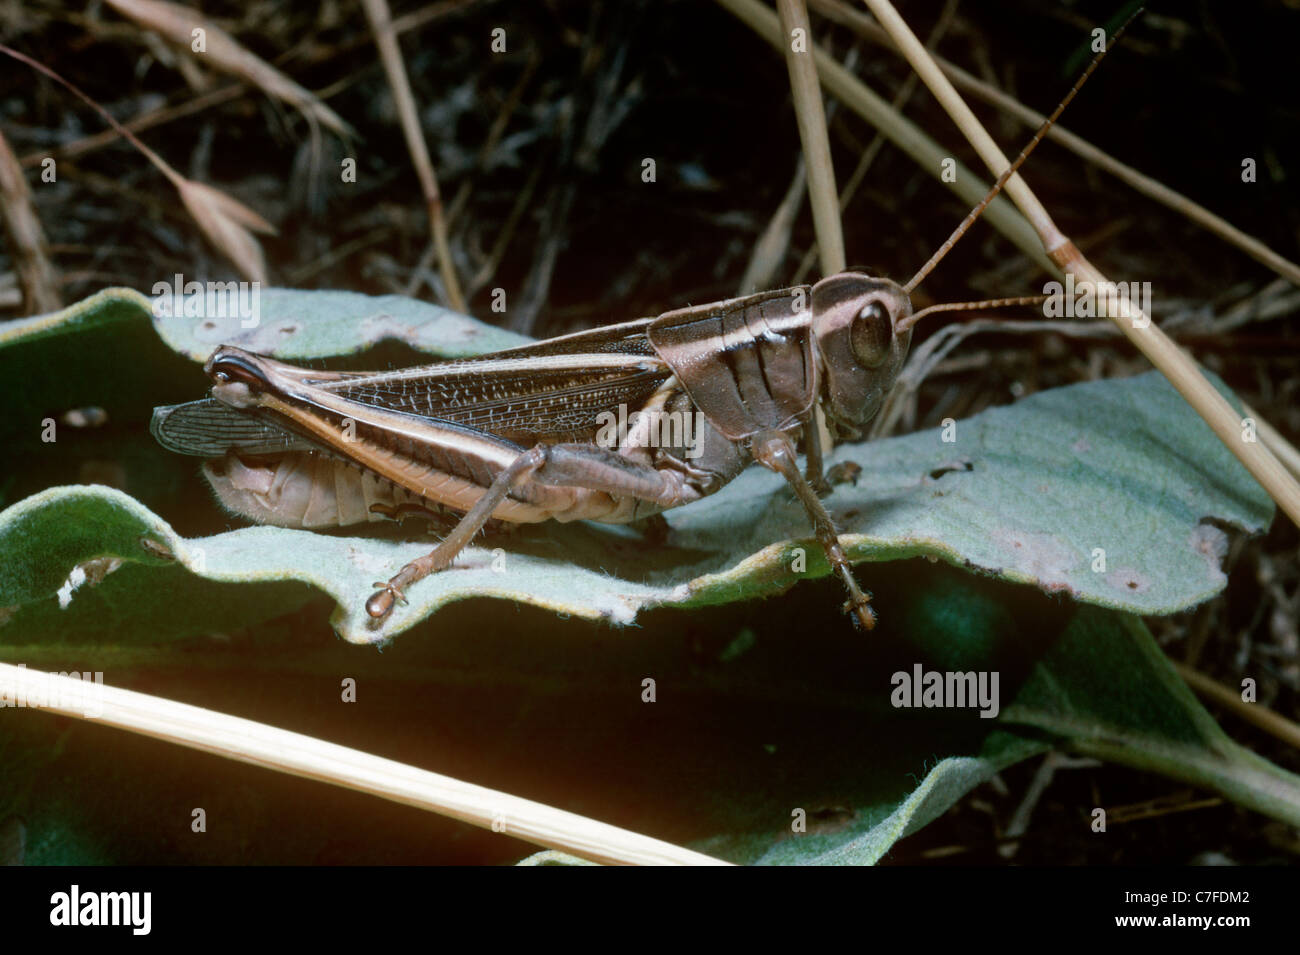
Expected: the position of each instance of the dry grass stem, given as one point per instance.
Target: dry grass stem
(225, 221)
(138, 124)
(903, 133)
(810, 114)
(381, 25)
(770, 249)
(1272, 723)
(228, 225)
(1285, 451)
(295, 754)
(27, 245)
(869, 154)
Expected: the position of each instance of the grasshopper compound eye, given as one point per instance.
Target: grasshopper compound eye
(871, 335)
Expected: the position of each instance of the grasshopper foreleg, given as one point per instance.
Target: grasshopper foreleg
(774, 451)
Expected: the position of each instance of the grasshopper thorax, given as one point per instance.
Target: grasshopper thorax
(860, 349)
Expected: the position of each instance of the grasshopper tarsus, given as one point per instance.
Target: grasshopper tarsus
(381, 602)
(862, 613)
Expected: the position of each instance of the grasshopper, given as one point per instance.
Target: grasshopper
(520, 435)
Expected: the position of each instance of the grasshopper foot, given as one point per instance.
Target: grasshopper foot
(382, 601)
(860, 607)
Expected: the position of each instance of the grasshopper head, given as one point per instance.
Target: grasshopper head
(855, 319)
(237, 376)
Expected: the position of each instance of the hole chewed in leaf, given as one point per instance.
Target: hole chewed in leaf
(963, 464)
(91, 572)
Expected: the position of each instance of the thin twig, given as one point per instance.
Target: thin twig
(869, 154)
(227, 223)
(1286, 452)
(771, 247)
(177, 22)
(138, 124)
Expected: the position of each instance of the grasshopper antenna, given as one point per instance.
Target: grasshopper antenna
(1011, 170)
(915, 317)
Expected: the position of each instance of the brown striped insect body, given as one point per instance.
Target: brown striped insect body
(521, 428)
(522, 435)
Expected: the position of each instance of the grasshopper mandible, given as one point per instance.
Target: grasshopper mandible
(513, 436)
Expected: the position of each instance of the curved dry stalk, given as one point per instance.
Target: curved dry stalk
(223, 219)
(381, 25)
(258, 744)
(906, 135)
(1172, 361)
(178, 23)
(810, 113)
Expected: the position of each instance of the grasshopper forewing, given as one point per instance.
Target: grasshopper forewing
(523, 435)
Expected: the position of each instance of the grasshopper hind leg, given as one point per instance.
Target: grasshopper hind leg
(382, 601)
(558, 465)
(774, 451)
